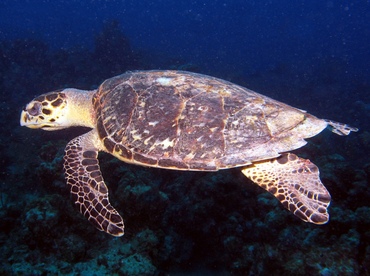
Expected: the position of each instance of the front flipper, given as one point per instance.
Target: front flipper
(296, 183)
(88, 190)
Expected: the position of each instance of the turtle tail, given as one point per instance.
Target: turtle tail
(339, 128)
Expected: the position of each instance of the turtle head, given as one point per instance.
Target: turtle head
(57, 110)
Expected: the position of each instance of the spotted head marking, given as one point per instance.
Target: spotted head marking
(47, 111)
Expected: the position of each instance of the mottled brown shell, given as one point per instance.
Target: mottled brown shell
(188, 121)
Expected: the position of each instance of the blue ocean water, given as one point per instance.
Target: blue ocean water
(313, 55)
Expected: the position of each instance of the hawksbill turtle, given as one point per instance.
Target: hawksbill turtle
(183, 121)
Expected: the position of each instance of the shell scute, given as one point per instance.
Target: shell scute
(123, 152)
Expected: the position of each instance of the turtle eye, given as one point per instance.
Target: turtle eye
(35, 109)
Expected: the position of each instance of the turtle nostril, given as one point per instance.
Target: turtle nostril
(35, 109)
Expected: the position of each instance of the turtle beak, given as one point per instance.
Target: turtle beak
(30, 115)
(28, 120)
(25, 117)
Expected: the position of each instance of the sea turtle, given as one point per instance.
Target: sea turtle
(183, 121)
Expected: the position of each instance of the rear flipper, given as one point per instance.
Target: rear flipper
(296, 183)
(339, 128)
